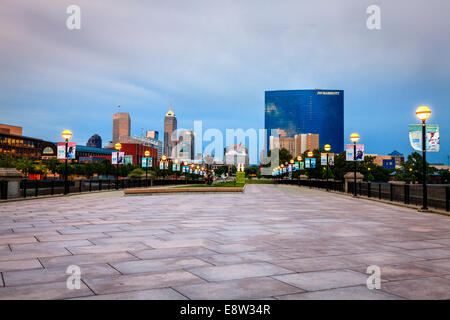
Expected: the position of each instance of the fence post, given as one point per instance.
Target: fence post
(90, 184)
(391, 191)
(379, 191)
(368, 190)
(79, 187)
(36, 187)
(4, 189)
(99, 184)
(52, 187)
(447, 199)
(24, 188)
(406, 193)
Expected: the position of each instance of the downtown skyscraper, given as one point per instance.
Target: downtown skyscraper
(121, 126)
(295, 112)
(170, 126)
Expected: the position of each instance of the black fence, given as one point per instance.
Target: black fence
(36, 188)
(438, 195)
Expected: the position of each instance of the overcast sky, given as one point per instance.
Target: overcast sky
(215, 59)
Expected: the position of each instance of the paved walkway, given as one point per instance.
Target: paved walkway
(280, 242)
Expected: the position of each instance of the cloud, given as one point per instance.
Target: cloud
(215, 59)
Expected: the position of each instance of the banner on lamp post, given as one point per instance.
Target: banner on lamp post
(359, 152)
(432, 137)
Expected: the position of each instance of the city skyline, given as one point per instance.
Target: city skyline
(76, 78)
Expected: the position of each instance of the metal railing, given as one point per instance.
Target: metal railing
(36, 188)
(410, 194)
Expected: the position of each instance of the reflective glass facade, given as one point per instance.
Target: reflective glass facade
(307, 111)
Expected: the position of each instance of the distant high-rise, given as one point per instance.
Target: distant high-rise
(121, 126)
(185, 147)
(317, 111)
(170, 126)
(94, 141)
(152, 134)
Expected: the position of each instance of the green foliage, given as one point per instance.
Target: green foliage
(136, 173)
(24, 165)
(7, 161)
(411, 170)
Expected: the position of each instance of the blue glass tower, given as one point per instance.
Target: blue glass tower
(307, 111)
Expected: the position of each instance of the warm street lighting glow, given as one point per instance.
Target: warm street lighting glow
(310, 154)
(299, 158)
(163, 158)
(176, 161)
(423, 113)
(292, 161)
(282, 165)
(185, 163)
(327, 147)
(354, 137)
(66, 134)
(118, 146)
(147, 153)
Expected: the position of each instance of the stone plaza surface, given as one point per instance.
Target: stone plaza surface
(271, 242)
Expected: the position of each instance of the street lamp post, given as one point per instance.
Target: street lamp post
(354, 137)
(327, 148)
(146, 154)
(117, 146)
(185, 164)
(310, 154)
(299, 159)
(66, 134)
(423, 113)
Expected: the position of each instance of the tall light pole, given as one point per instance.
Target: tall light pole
(117, 146)
(310, 154)
(299, 159)
(146, 154)
(354, 137)
(66, 134)
(423, 113)
(327, 149)
(186, 168)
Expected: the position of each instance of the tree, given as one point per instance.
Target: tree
(7, 161)
(25, 165)
(411, 169)
(285, 156)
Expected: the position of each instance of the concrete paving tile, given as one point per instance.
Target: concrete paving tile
(158, 265)
(349, 293)
(83, 259)
(68, 237)
(19, 265)
(403, 271)
(158, 244)
(316, 264)
(414, 245)
(322, 280)
(105, 248)
(152, 294)
(57, 274)
(55, 290)
(24, 255)
(227, 258)
(172, 252)
(442, 265)
(40, 246)
(137, 282)
(429, 253)
(433, 288)
(253, 288)
(238, 271)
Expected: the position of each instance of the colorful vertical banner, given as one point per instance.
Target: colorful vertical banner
(307, 163)
(302, 165)
(359, 152)
(161, 165)
(144, 162)
(432, 136)
(128, 159)
(71, 149)
(117, 157)
(323, 159)
(313, 163)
